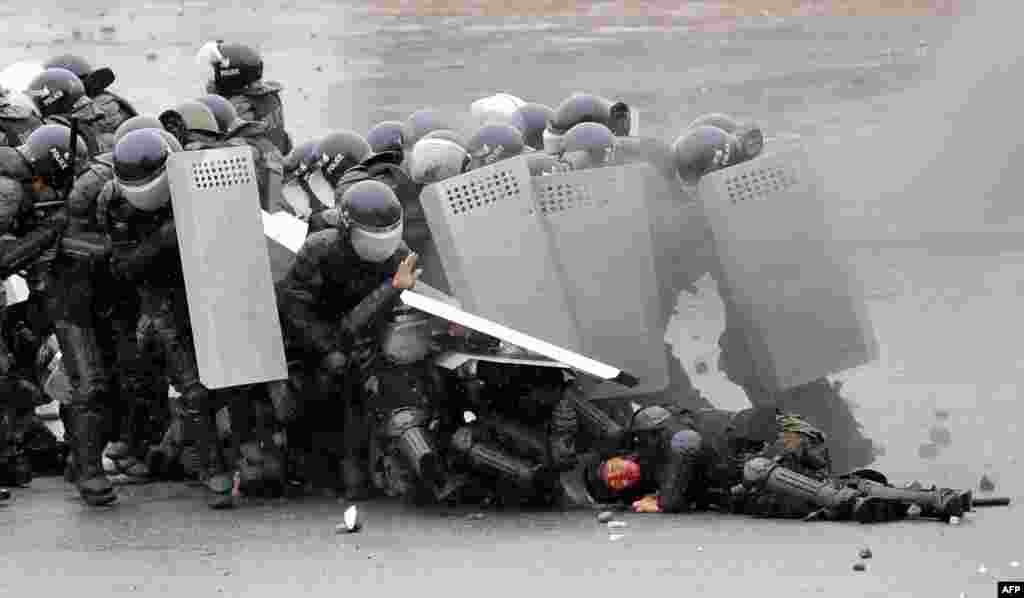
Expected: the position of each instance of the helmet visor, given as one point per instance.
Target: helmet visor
(376, 246)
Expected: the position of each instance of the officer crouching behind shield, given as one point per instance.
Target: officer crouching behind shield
(343, 280)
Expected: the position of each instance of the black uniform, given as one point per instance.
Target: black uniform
(328, 302)
(146, 257)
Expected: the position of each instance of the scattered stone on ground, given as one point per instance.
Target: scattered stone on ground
(605, 516)
(986, 484)
(859, 567)
(865, 553)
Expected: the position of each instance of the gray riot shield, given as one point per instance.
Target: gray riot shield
(231, 301)
(802, 312)
(600, 229)
(496, 253)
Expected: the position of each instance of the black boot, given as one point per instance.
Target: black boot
(94, 487)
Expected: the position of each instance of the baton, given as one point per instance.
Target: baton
(994, 501)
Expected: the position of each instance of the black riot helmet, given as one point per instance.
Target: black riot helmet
(341, 151)
(531, 120)
(649, 419)
(387, 136)
(134, 124)
(588, 145)
(56, 91)
(241, 67)
(303, 158)
(422, 122)
(96, 81)
(494, 142)
(715, 119)
(223, 110)
(702, 150)
(580, 108)
(140, 169)
(373, 215)
(47, 151)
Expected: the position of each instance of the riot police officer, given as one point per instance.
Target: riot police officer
(60, 94)
(531, 119)
(135, 211)
(268, 160)
(16, 120)
(113, 108)
(704, 149)
(237, 74)
(343, 279)
(492, 143)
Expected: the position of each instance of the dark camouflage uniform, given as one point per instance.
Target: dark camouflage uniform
(113, 109)
(116, 312)
(89, 121)
(25, 332)
(261, 102)
(16, 123)
(146, 256)
(268, 159)
(328, 301)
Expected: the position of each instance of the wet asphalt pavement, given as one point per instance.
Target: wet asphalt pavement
(946, 317)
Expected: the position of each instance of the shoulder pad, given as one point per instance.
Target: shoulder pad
(12, 192)
(14, 112)
(263, 88)
(321, 240)
(13, 165)
(247, 129)
(125, 105)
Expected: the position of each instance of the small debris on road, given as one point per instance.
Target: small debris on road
(865, 553)
(860, 567)
(605, 516)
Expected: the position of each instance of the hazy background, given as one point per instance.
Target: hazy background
(912, 123)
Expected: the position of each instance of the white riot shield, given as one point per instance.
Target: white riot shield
(285, 235)
(17, 76)
(600, 228)
(496, 253)
(803, 314)
(231, 301)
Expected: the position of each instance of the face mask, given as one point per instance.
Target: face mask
(376, 247)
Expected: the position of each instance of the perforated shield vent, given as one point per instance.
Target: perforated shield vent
(474, 192)
(758, 183)
(559, 197)
(222, 173)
